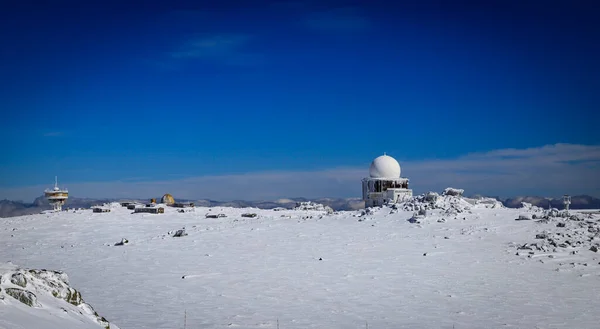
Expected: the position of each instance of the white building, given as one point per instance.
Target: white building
(384, 184)
(56, 196)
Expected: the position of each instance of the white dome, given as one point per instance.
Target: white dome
(384, 167)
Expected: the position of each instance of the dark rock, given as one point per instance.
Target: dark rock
(26, 297)
(525, 247)
(19, 280)
(594, 248)
(122, 242)
(74, 297)
(179, 233)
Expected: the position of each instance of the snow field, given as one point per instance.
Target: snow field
(250, 272)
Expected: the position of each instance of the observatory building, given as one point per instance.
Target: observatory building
(56, 196)
(167, 199)
(384, 184)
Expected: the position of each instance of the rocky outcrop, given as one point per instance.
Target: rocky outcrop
(449, 205)
(453, 191)
(45, 289)
(569, 235)
(24, 296)
(309, 205)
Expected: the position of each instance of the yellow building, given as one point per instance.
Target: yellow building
(167, 199)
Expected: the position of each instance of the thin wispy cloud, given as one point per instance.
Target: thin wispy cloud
(211, 46)
(550, 170)
(294, 5)
(347, 19)
(230, 49)
(53, 134)
(165, 65)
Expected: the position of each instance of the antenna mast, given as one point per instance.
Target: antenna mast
(567, 202)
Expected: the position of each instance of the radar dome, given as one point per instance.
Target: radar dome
(167, 199)
(384, 167)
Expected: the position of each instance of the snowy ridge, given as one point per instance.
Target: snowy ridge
(43, 299)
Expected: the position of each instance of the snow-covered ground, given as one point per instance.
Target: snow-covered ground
(453, 265)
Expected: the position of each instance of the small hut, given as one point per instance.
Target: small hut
(148, 210)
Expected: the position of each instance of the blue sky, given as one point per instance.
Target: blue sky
(140, 93)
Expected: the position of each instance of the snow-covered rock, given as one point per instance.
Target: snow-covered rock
(529, 207)
(525, 216)
(122, 242)
(446, 204)
(179, 233)
(485, 203)
(309, 205)
(43, 299)
(453, 191)
(431, 197)
(581, 234)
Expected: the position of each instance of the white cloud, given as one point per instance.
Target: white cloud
(550, 170)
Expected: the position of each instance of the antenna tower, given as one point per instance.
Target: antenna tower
(56, 196)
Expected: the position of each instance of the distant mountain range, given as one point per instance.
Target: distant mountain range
(10, 208)
(577, 202)
(18, 208)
